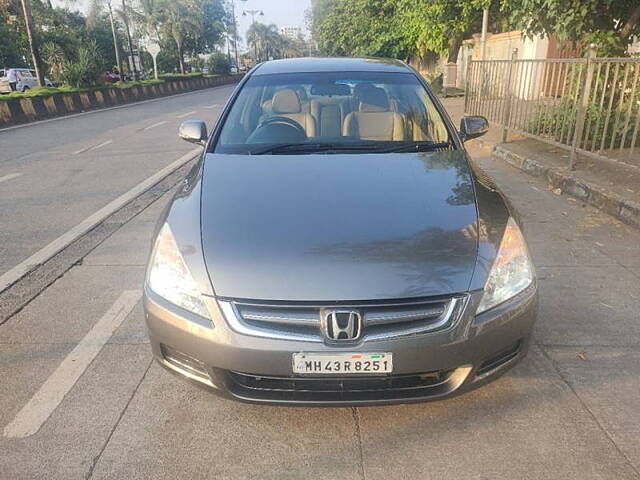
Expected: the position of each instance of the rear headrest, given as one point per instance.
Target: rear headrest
(373, 99)
(286, 101)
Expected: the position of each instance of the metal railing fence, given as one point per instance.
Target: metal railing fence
(587, 105)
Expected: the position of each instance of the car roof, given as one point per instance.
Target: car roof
(338, 64)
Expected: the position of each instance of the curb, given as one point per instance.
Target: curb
(609, 202)
(18, 111)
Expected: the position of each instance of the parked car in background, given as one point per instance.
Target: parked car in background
(27, 79)
(336, 245)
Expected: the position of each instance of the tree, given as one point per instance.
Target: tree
(180, 19)
(395, 28)
(219, 63)
(265, 40)
(14, 46)
(609, 23)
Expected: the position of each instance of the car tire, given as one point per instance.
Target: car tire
(25, 88)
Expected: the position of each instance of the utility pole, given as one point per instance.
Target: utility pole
(483, 37)
(115, 38)
(33, 41)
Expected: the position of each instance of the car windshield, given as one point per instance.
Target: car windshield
(363, 112)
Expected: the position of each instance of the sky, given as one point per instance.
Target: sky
(283, 13)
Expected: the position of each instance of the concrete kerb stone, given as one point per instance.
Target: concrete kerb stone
(24, 110)
(609, 202)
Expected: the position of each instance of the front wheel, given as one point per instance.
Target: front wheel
(25, 88)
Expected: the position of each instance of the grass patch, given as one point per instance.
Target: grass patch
(48, 91)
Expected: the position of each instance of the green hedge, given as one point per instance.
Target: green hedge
(48, 91)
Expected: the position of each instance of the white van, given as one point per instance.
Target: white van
(26, 79)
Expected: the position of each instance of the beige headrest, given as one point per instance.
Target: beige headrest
(286, 101)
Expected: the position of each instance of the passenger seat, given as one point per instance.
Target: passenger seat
(374, 119)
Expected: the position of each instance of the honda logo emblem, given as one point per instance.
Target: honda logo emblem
(342, 325)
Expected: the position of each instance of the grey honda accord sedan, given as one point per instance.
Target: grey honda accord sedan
(335, 245)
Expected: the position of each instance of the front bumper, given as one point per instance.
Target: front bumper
(475, 350)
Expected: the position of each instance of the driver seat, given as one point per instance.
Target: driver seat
(374, 119)
(286, 103)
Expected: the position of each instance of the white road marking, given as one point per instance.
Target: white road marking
(11, 176)
(186, 114)
(88, 223)
(93, 147)
(215, 105)
(154, 125)
(100, 145)
(33, 415)
(101, 110)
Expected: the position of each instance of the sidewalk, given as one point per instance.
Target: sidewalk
(611, 186)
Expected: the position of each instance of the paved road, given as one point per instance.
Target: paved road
(568, 411)
(54, 174)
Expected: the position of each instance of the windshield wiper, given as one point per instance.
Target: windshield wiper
(291, 148)
(425, 146)
(372, 147)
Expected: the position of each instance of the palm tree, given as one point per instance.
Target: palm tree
(149, 14)
(180, 18)
(265, 40)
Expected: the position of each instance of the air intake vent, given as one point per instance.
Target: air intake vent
(499, 359)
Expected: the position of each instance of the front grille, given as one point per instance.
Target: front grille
(381, 319)
(323, 389)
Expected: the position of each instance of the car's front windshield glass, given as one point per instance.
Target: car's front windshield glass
(331, 111)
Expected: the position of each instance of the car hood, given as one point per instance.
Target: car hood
(338, 227)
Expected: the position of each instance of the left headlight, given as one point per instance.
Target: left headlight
(512, 269)
(169, 275)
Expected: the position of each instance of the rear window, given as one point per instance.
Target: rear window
(337, 108)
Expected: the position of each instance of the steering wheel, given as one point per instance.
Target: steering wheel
(284, 121)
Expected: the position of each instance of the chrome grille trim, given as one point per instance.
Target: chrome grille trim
(301, 322)
(391, 317)
(231, 314)
(299, 318)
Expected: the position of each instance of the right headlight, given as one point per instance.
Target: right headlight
(512, 270)
(170, 277)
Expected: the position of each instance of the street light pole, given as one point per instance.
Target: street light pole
(235, 33)
(253, 14)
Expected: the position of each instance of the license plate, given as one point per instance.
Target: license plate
(342, 363)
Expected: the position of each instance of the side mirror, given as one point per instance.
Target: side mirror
(473, 127)
(193, 131)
